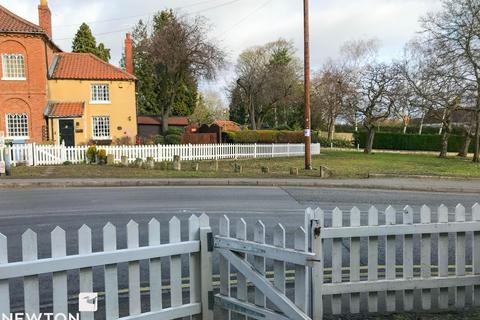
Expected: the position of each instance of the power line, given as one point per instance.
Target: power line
(257, 9)
(129, 28)
(141, 15)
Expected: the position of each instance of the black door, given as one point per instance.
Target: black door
(67, 132)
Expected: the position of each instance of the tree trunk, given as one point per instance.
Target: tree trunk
(444, 147)
(164, 123)
(420, 130)
(370, 138)
(253, 123)
(476, 155)
(404, 128)
(331, 129)
(466, 145)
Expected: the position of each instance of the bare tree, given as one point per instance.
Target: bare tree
(377, 90)
(333, 91)
(266, 76)
(437, 83)
(455, 32)
(180, 50)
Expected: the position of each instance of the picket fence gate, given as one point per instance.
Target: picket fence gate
(40, 155)
(340, 263)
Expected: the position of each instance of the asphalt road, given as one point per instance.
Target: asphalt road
(43, 209)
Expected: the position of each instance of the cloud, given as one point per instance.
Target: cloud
(240, 24)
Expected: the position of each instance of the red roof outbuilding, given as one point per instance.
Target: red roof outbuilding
(157, 120)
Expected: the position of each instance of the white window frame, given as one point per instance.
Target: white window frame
(104, 137)
(7, 127)
(4, 67)
(94, 93)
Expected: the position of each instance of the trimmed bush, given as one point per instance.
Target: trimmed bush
(175, 131)
(173, 139)
(281, 136)
(411, 142)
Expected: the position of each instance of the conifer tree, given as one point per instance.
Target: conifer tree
(85, 42)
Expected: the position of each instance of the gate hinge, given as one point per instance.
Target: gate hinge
(210, 242)
(211, 300)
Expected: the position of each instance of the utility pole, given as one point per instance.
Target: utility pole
(308, 126)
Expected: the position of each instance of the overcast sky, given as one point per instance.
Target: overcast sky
(240, 24)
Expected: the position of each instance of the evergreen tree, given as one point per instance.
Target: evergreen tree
(85, 42)
(152, 89)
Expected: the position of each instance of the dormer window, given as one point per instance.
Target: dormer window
(13, 66)
(100, 94)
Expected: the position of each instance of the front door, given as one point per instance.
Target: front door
(67, 132)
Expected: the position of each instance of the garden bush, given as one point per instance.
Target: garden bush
(411, 142)
(173, 139)
(174, 131)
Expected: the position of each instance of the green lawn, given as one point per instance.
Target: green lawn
(343, 164)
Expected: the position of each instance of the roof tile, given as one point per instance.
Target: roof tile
(10, 22)
(65, 109)
(86, 66)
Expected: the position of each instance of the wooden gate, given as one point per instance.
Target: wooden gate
(276, 295)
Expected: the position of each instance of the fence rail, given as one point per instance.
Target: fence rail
(39, 155)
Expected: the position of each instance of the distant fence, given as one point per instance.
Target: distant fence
(39, 155)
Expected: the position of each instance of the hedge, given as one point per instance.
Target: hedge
(281, 136)
(411, 142)
(412, 129)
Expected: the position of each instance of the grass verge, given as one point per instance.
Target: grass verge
(344, 165)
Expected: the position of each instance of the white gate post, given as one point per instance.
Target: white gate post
(317, 269)
(206, 251)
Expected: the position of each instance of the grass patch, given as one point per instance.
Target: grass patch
(344, 165)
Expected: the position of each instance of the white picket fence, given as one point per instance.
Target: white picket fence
(424, 280)
(39, 155)
(341, 263)
(195, 248)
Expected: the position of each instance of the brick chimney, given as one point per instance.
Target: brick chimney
(129, 54)
(45, 17)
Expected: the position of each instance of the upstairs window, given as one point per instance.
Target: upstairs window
(13, 66)
(17, 125)
(101, 128)
(100, 93)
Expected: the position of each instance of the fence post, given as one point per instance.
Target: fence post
(30, 154)
(64, 152)
(317, 269)
(255, 151)
(206, 250)
(273, 150)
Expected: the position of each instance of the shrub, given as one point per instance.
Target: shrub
(158, 139)
(174, 131)
(102, 156)
(173, 139)
(92, 154)
(269, 136)
(411, 142)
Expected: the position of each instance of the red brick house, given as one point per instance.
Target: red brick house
(26, 51)
(50, 95)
